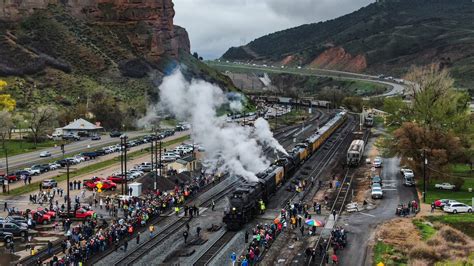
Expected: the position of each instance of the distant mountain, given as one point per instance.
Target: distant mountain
(384, 37)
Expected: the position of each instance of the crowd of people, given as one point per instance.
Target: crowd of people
(129, 214)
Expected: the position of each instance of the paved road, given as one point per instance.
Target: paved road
(397, 89)
(28, 159)
(360, 225)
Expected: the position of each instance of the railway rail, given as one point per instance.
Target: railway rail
(338, 206)
(174, 225)
(213, 250)
(43, 254)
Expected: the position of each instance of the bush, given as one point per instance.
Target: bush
(452, 235)
(458, 182)
(423, 252)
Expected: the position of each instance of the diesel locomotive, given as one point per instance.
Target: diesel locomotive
(245, 201)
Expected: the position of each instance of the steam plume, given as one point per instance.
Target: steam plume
(229, 147)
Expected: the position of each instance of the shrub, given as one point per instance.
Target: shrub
(423, 252)
(453, 235)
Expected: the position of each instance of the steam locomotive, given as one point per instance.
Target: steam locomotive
(244, 201)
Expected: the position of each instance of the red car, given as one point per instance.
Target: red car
(116, 179)
(51, 213)
(106, 184)
(10, 177)
(40, 218)
(82, 213)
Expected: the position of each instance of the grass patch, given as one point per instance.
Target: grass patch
(293, 117)
(16, 147)
(462, 222)
(461, 169)
(388, 255)
(426, 230)
(91, 168)
(463, 195)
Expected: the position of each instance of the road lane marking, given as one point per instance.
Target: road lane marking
(367, 214)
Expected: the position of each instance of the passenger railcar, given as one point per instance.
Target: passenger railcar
(355, 152)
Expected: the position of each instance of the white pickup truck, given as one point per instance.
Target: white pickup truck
(446, 186)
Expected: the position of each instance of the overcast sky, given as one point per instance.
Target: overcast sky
(216, 25)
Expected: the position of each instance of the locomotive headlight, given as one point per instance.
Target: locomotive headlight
(234, 209)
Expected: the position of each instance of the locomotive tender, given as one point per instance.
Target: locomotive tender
(244, 201)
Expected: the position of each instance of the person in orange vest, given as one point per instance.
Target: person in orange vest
(130, 230)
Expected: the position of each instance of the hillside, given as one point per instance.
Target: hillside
(96, 58)
(385, 37)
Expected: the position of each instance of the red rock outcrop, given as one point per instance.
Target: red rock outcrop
(160, 37)
(338, 58)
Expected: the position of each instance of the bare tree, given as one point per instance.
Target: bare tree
(40, 119)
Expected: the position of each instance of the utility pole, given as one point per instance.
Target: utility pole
(67, 188)
(152, 155)
(159, 165)
(125, 163)
(425, 162)
(121, 163)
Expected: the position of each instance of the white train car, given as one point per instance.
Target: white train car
(355, 152)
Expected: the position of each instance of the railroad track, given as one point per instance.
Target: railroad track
(338, 206)
(331, 148)
(213, 250)
(174, 225)
(149, 245)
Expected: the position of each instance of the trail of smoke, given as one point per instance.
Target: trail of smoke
(229, 147)
(265, 135)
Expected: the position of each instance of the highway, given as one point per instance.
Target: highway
(31, 158)
(396, 88)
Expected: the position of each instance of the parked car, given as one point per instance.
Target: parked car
(115, 134)
(54, 166)
(457, 207)
(100, 152)
(377, 179)
(14, 229)
(41, 167)
(49, 183)
(6, 237)
(106, 185)
(116, 179)
(18, 220)
(22, 173)
(32, 171)
(408, 181)
(51, 213)
(96, 137)
(71, 137)
(45, 154)
(377, 162)
(40, 217)
(80, 213)
(377, 193)
(90, 155)
(446, 186)
(11, 177)
(407, 172)
(443, 202)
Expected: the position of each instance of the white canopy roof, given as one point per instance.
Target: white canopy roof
(81, 124)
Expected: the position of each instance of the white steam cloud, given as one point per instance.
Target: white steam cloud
(263, 133)
(229, 147)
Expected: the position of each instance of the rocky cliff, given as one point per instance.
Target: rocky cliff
(156, 39)
(99, 57)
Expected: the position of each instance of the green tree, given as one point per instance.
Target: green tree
(430, 122)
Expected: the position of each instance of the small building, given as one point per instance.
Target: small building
(188, 163)
(82, 128)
